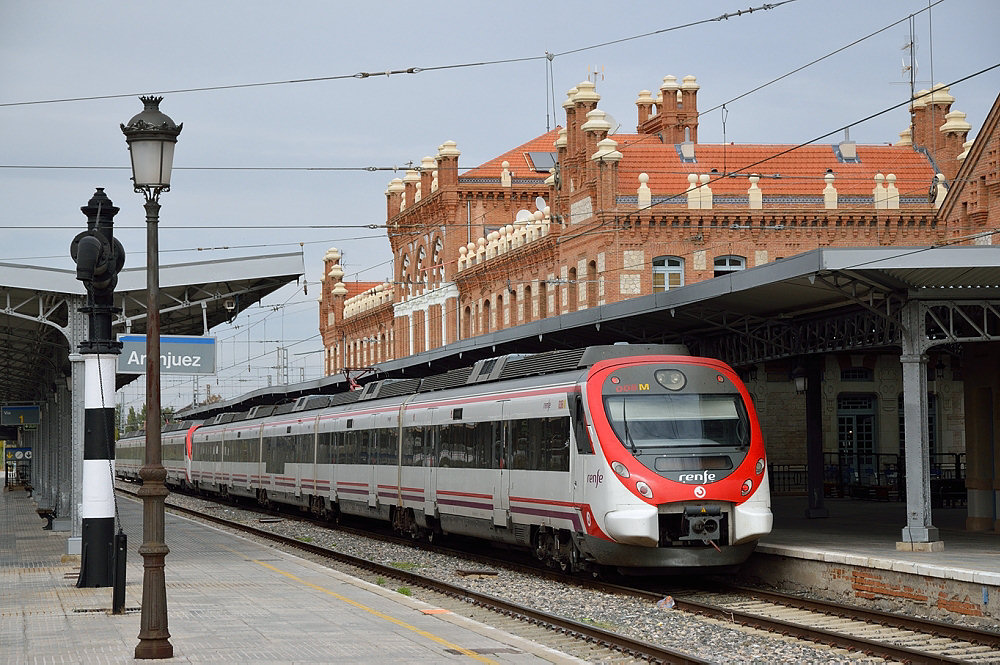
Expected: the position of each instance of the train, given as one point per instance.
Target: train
(639, 458)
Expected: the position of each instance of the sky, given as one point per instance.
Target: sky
(279, 135)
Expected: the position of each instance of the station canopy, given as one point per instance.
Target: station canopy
(40, 322)
(822, 301)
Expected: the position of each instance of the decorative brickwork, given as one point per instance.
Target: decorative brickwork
(516, 240)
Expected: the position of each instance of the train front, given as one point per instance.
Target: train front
(686, 483)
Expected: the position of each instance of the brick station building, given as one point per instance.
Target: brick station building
(575, 219)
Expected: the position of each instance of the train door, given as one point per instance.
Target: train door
(585, 466)
(367, 455)
(502, 457)
(255, 469)
(313, 443)
(217, 448)
(432, 461)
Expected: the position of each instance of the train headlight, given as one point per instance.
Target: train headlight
(644, 490)
(759, 469)
(620, 469)
(671, 379)
(747, 486)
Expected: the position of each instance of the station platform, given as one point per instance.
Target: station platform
(852, 556)
(229, 600)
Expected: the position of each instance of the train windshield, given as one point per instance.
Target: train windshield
(659, 421)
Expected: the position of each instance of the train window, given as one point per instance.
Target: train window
(350, 423)
(653, 421)
(584, 445)
(324, 448)
(456, 414)
(540, 444)
(387, 445)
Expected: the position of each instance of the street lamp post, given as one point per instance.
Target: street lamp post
(151, 137)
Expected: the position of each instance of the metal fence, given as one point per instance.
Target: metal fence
(876, 477)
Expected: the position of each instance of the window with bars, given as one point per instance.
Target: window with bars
(857, 374)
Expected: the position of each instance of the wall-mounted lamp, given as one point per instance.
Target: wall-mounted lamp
(800, 380)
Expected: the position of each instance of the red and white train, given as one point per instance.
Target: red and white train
(637, 457)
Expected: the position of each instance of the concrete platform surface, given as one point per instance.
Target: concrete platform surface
(230, 601)
(865, 533)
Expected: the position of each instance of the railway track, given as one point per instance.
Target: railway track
(872, 633)
(587, 642)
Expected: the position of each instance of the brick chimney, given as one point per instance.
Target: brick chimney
(645, 107)
(410, 181)
(447, 160)
(954, 132)
(676, 111)
(393, 197)
(584, 101)
(687, 111)
(594, 130)
(427, 168)
(929, 110)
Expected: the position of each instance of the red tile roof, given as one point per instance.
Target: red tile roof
(356, 288)
(801, 170)
(520, 165)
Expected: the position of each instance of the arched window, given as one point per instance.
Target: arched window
(668, 273)
(499, 312)
(592, 284)
(727, 264)
(420, 274)
(486, 316)
(527, 303)
(466, 331)
(573, 292)
(543, 299)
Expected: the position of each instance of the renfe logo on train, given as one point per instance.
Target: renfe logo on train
(595, 478)
(703, 477)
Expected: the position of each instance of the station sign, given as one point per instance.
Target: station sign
(17, 454)
(179, 354)
(19, 415)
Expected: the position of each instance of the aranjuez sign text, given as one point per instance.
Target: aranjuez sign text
(179, 354)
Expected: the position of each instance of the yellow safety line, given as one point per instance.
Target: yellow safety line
(370, 610)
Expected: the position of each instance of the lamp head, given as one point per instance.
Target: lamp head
(151, 136)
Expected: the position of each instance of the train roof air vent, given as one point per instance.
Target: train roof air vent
(450, 379)
(542, 363)
(491, 369)
(282, 409)
(347, 397)
(308, 402)
(389, 388)
(261, 411)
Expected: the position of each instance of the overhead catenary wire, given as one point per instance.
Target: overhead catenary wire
(408, 70)
(820, 59)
